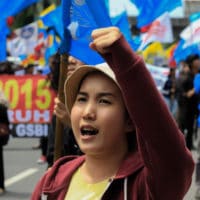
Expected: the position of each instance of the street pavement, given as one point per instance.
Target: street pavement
(191, 193)
(22, 171)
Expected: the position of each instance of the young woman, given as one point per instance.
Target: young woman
(132, 147)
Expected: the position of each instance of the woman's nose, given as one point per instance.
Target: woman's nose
(89, 112)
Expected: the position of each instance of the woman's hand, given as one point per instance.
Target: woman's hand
(103, 38)
(61, 112)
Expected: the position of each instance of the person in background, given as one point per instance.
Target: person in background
(130, 143)
(30, 69)
(197, 171)
(187, 104)
(4, 104)
(195, 60)
(169, 91)
(6, 67)
(42, 144)
(43, 140)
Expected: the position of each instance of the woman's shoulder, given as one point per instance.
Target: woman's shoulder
(62, 170)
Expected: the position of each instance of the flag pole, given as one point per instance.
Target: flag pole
(64, 49)
(59, 126)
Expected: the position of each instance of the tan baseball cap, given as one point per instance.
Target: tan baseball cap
(72, 84)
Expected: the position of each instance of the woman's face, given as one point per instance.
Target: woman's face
(98, 117)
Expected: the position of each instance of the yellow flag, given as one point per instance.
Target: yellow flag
(155, 49)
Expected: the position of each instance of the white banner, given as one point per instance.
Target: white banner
(24, 40)
(160, 30)
(159, 75)
(191, 33)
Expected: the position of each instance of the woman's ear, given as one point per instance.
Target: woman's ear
(129, 125)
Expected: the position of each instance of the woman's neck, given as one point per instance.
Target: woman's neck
(96, 168)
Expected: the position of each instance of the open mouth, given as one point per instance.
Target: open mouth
(89, 131)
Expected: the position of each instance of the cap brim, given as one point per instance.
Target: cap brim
(72, 84)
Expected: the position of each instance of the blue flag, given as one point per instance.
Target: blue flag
(181, 53)
(119, 17)
(54, 20)
(53, 44)
(149, 10)
(80, 18)
(194, 17)
(3, 33)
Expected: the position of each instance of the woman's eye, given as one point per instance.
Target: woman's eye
(80, 99)
(104, 101)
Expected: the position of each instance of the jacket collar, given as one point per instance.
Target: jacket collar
(58, 177)
(131, 164)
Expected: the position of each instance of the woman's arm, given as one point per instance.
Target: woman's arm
(168, 162)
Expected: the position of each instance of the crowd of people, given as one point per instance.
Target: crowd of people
(182, 95)
(181, 99)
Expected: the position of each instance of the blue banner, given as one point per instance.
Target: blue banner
(53, 44)
(181, 53)
(54, 20)
(80, 18)
(149, 10)
(3, 33)
(194, 17)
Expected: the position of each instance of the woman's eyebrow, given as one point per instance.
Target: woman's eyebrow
(101, 94)
(82, 93)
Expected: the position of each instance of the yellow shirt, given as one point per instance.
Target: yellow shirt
(79, 189)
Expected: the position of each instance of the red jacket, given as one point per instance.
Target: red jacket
(161, 168)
